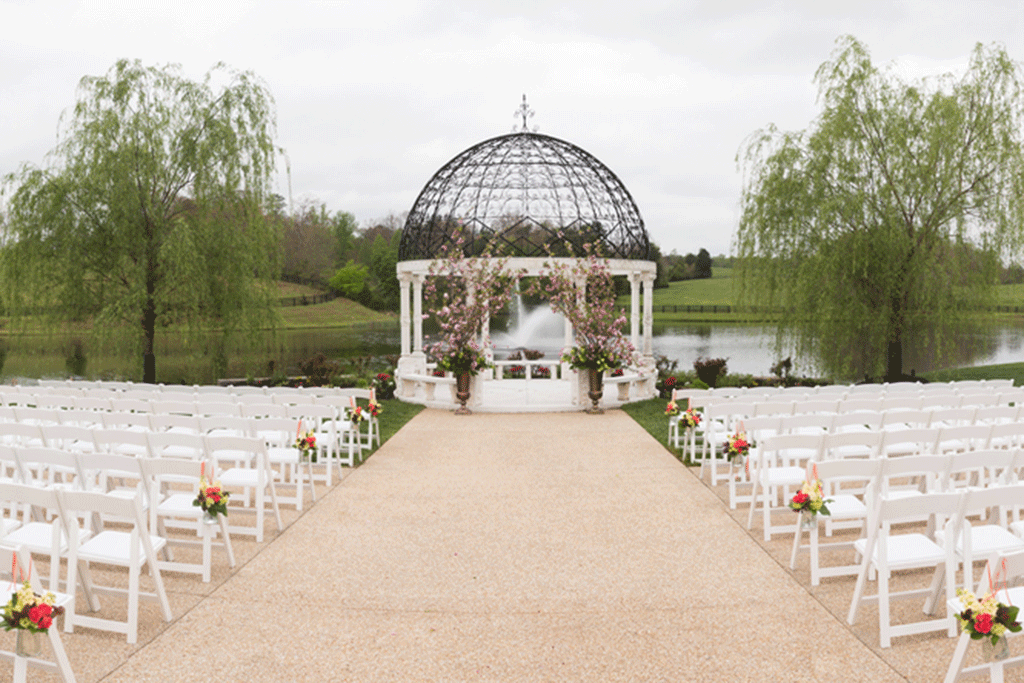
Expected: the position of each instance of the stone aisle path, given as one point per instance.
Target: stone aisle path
(544, 547)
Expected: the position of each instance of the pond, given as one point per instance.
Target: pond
(748, 348)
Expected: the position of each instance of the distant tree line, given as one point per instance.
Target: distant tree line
(330, 251)
(690, 267)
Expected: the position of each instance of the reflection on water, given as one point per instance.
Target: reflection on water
(750, 349)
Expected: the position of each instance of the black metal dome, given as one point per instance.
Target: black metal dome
(528, 195)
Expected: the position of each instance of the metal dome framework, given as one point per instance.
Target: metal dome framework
(524, 194)
(536, 200)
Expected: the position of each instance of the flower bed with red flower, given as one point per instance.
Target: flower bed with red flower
(810, 497)
(211, 498)
(541, 372)
(30, 611)
(736, 445)
(306, 443)
(987, 617)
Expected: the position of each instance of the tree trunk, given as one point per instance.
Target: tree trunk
(149, 334)
(894, 360)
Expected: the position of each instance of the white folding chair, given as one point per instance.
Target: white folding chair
(251, 471)
(133, 549)
(173, 485)
(322, 420)
(780, 463)
(279, 434)
(20, 559)
(844, 507)
(884, 552)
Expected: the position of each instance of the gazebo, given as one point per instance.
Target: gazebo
(537, 200)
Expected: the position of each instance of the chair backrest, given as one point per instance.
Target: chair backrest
(93, 403)
(901, 401)
(243, 426)
(857, 420)
(931, 468)
(264, 409)
(829, 406)
(37, 416)
(987, 467)
(131, 405)
(996, 414)
(773, 408)
(70, 437)
(277, 431)
(980, 400)
(100, 469)
(177, 445)
(238, 449)
(791, 448)
(841, 445)
(211, 405)
(905, 417)
(952, 417)
(41, 466)
(19, 434)
(174, 404)
(124, 441)
(909, 441)
(963, 437)
(129, 421)
(81, 418)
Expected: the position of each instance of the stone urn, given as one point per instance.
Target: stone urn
(462, 381)
(596, 381)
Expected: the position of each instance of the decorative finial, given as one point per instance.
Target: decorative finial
(525, 113)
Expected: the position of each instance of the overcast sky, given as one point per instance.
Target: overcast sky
(373, 97)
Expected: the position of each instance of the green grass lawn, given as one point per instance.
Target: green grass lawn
(650, 415)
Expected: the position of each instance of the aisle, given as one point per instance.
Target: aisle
(547, 547)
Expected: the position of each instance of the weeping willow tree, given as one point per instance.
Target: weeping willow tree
(882, 225)
(148, 212)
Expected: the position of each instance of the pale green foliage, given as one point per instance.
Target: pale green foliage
(887, 217)
(149, 211)
(350, 280)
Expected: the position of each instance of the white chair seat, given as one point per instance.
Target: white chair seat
(114, 546)
(907, 551)
(179, 505)
(846, 506)
(986, 540)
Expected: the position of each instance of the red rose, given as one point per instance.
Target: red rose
(983, 623)
(40, 613)
(801, 498)
(670, 381)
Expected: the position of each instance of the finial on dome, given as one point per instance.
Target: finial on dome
(525, 112)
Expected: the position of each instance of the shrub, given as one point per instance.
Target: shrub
(709, 369)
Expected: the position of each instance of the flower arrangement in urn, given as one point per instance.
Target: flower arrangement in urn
(462, 293)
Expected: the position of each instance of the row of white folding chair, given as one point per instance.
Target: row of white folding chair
(16, 568)
(135, 549)
(820, 445)
(883, 551)
(933, 473)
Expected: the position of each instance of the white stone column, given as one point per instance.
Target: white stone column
(404, 280)
(648, 352)
(417, 313)
(634, 309)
